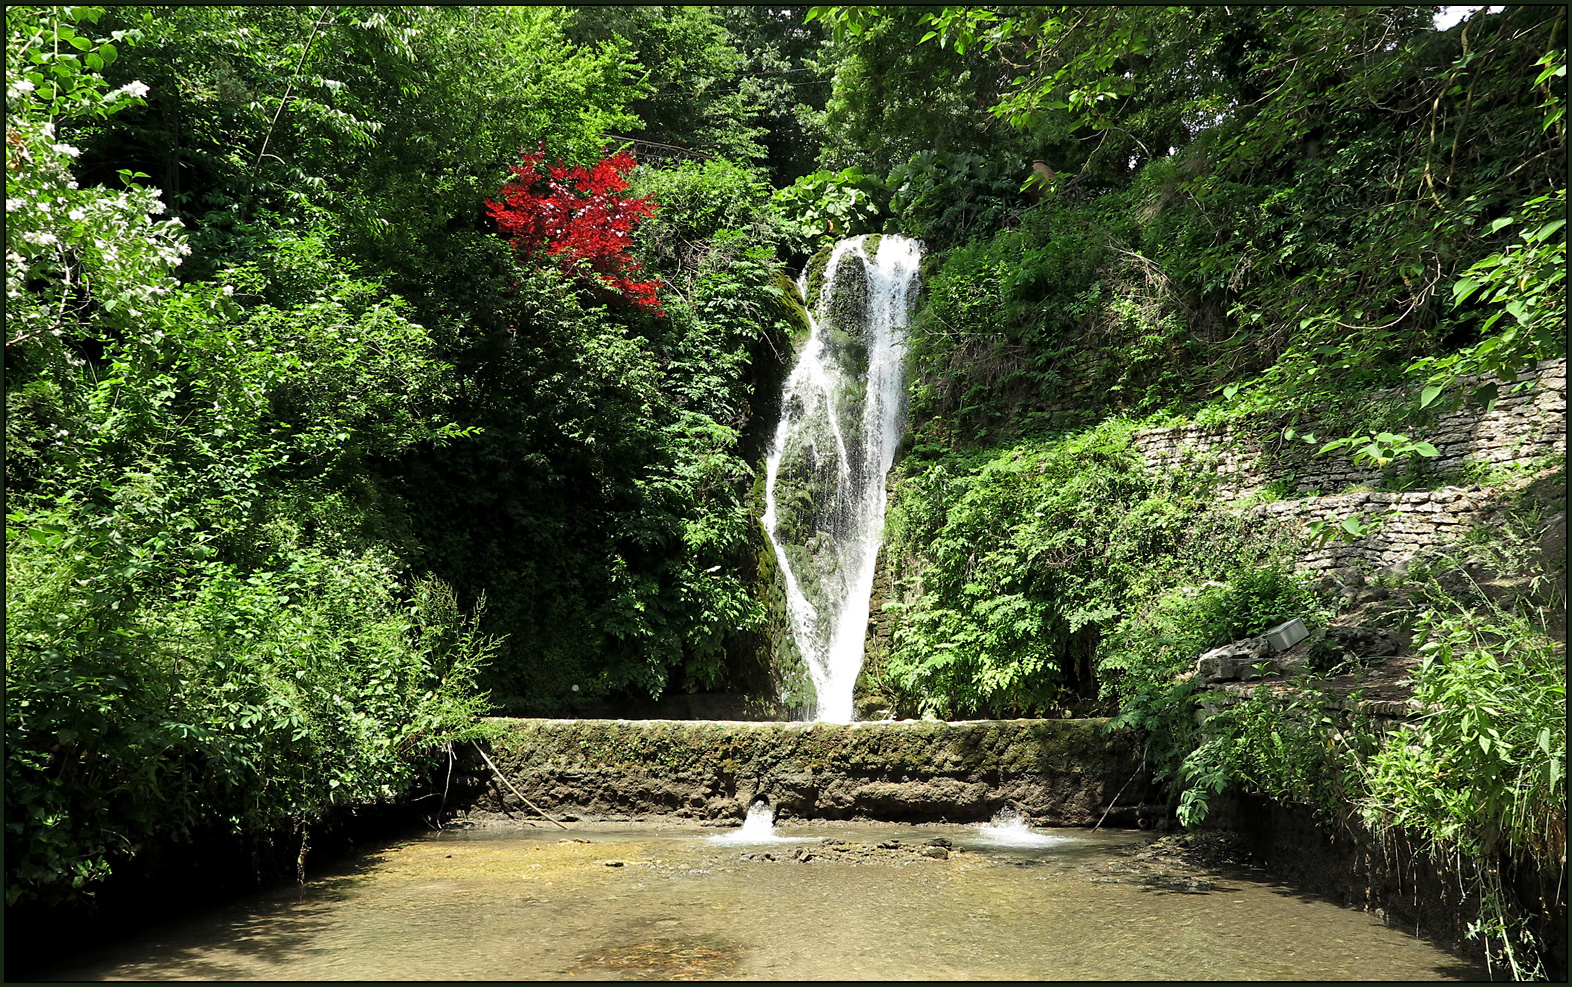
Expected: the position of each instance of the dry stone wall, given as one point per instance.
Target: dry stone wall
(1248, 456)
(1406, 524)
(1521, 429)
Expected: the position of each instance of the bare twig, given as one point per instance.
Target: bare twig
(1116, 797)
(515, 791)
(1541, 154)
(300, 861)
(316, 26)
(669, 147)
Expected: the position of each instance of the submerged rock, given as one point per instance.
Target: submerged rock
(842, 851)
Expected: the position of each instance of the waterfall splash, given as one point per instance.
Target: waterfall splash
(1010, 828)
(842, 415)
(759, 827)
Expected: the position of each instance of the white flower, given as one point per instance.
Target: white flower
(137, 89)
(67, 150)
(77, 215)
(24, 85)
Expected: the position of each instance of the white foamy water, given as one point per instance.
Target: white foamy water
(1009, 829)
(842, 415)
(759, 827)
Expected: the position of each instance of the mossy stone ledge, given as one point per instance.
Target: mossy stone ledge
(1071, 772)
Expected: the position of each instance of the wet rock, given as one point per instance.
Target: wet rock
(842, 851)
(1183, 885)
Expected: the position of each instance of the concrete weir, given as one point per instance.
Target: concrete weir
(1057, 772)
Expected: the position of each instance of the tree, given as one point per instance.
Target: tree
(578, 220)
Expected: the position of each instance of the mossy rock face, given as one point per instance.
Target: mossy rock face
(795, 311)
(845, 313)
(816, 265)
(929, 747)
(876, 694)
(789, 680)
(1064, 772)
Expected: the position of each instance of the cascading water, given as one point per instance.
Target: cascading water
(842, 415)
(1010, 828)
(758, 827)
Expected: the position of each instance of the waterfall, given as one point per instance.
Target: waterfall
(842, 414)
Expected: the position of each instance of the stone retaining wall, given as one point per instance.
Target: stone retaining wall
(1407, 524)
(1519, 430)
(1058, 772)
(1250, 455)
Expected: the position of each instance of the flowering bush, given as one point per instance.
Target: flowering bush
(77, 259)
(575, 217)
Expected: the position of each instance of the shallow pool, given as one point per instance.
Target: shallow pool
(647, 902)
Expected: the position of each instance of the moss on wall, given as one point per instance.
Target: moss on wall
(1059, 772)
(920, 747)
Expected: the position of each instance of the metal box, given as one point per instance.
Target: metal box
(1286, 635)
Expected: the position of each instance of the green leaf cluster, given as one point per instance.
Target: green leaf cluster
(1064, 566)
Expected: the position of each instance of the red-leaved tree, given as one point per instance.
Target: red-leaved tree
(575, 217)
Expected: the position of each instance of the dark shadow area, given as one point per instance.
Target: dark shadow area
(213, 869)
(1388, 877)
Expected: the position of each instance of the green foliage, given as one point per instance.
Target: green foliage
(946, 199)
(697, 201)
(818, 209)
(1165, 638)
(786, 79)
(1257, 210)
(692, 91)
(1381, 448)
(1292, 748)
(207, 625)
(1525, 281)
(74, 255)
(399, 121)
(893, 98)
(613, 442)
(1062, 564)
(53, 65)
(1478, 777)
(1485, 765)
(152, 690)
(1010, 559)
(602, 503)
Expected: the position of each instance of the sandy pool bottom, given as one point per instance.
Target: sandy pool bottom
(673, 904)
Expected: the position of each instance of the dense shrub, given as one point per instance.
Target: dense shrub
(1065, 565)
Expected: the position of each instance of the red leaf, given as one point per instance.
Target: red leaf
(574, 217)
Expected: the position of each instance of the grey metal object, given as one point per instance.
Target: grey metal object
(1287, 634)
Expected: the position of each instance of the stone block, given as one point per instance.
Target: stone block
(1240, 660)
